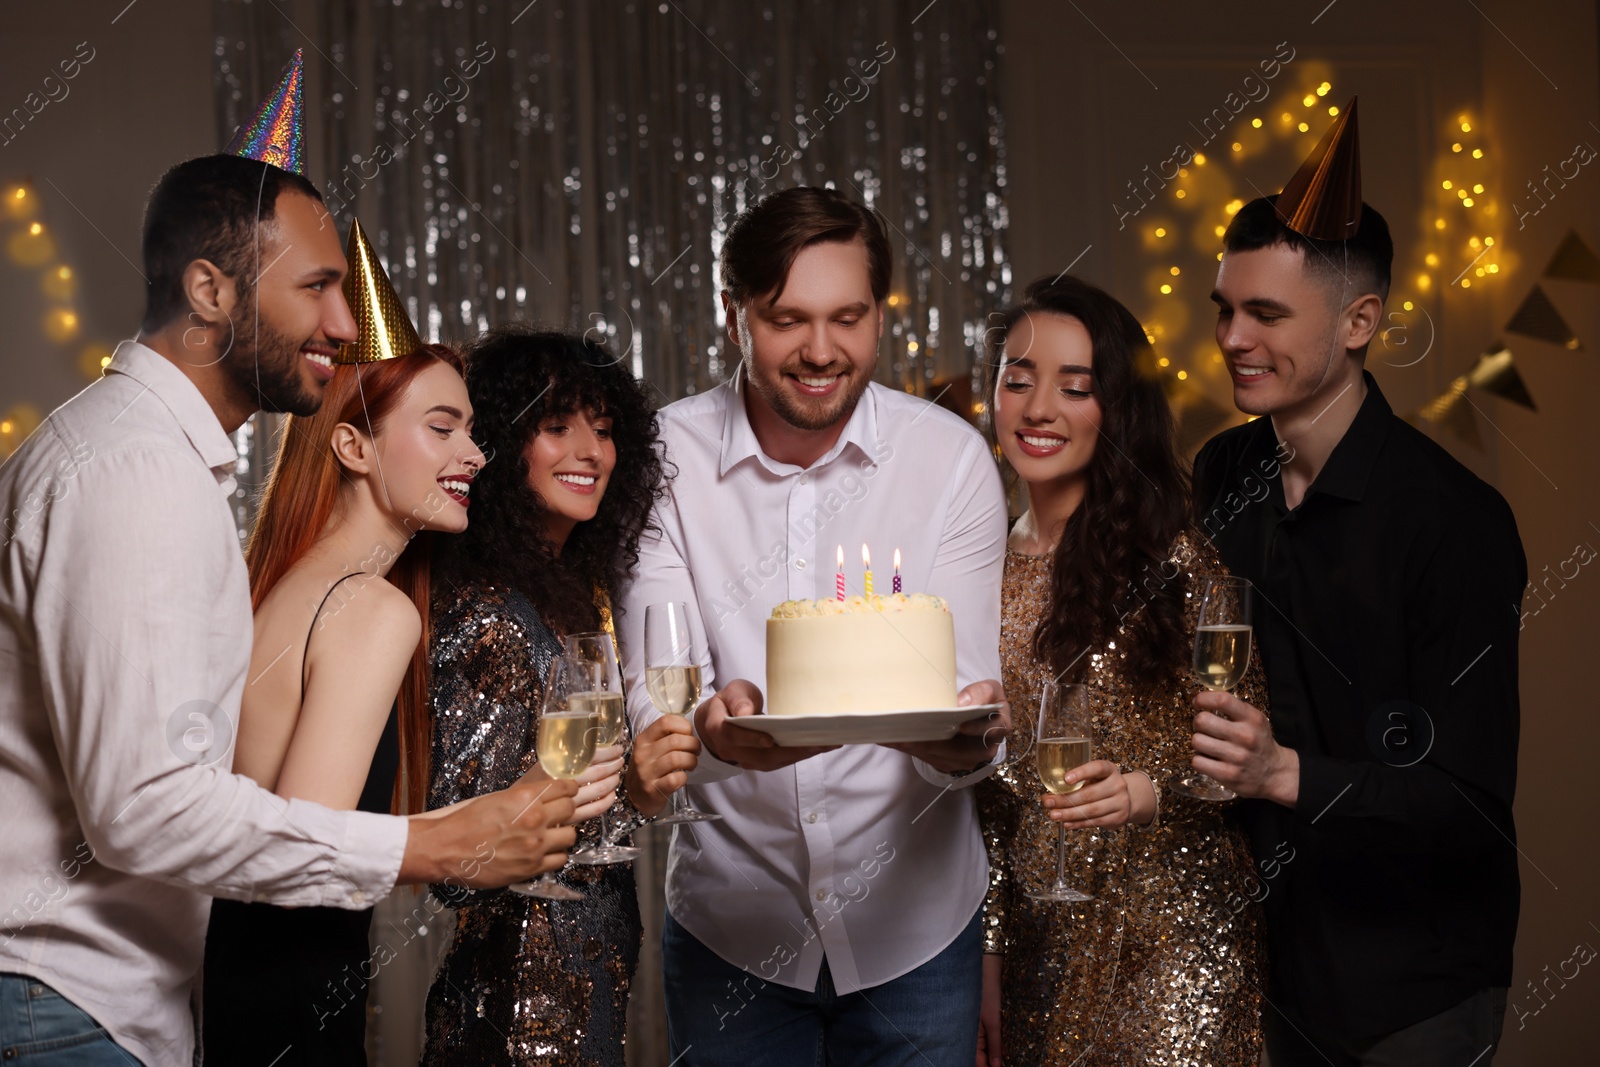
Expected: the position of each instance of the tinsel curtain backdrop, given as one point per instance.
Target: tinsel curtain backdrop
(577, 163)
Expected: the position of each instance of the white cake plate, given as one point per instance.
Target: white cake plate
(876, 728)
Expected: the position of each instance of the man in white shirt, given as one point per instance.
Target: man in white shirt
(125, 632)
(832, 911)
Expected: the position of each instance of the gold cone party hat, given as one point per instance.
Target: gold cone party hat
(383, 329)
(1323, 199)
(274, 135)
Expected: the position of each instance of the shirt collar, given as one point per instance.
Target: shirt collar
(173, 388)
(739, 438)
(1350, 465)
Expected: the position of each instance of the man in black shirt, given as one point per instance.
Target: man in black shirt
(1388, 587)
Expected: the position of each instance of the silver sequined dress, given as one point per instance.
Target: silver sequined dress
(1165, 966)
(525, 981)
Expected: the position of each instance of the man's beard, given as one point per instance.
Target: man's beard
(266, 366)
(806, 413)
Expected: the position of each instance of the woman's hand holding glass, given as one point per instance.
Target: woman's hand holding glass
(1108, 797)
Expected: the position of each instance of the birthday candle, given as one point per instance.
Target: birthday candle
(838, 581)
(866, 563)
(897, 570)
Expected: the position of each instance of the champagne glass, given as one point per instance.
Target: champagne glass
(1221, 654)
(600, 652)
(672, 675)
(565, 743)
(1064, 739)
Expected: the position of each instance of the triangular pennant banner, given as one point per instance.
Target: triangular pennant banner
(1452, 412)
(1538, 318)
(1496, 373)
(1574, 260)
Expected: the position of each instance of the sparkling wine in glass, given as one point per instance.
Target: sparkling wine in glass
(1221, 655)
(1063, 740)
(672, 677)
(599, 650)
(564, 745)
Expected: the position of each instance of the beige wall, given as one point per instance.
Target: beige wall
(1084, 117)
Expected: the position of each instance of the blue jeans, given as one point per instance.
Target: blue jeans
(927, 1017)
(41, 1028)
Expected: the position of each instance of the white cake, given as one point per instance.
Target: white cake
(861, 654)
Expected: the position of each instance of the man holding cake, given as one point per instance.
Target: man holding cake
(832, 909)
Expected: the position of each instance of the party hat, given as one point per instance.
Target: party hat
(1323, 199)
(274, 134)
(383, 329)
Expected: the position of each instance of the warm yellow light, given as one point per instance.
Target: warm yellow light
(1200, 158)
(1181, 194)
(1333, 111)
(1233, 206)
(1448, 184)
(21, 193)
(1466, 127)
(1438, 224)
(1182, 375)
(1161, 231)
(1494, 268)
(1477, 153)
(894, 300)
(1164, 361)
(1477, 188)
(105, 361)
(64, 273)
(1309, 100)
(1466, 283)
(5, 426)
(1322, 90)
(1256, 123)
(1304, 128)
(36, 229)
(1174, 272)
(1219, 257)
(1407, 305)
(1165, 289)
(1431, 259)
(1474, 242)
(1424, 281)
(1466, 201)
(1221, 230)
(1216, 357)
(1488, 242)
(1462, 193)
(1237, 146)
(1287, 117)
(911, 346)
(1456, 147)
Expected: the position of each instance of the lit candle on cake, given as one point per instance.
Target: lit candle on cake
(838, 581)
(866, 564)
(896, 570)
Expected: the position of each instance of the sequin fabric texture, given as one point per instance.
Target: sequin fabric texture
(525, 981)
(1166, 964)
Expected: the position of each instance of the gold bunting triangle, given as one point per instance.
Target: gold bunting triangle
(1496, 373)
(1538, 318)
(1452, 412)
(1574, 261)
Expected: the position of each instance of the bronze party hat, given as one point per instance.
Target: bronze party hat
(383, 329)
(274, 134)
(1323, 199)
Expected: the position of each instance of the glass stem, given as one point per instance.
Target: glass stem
(1061, 855)
(604, 837)
(677, 802)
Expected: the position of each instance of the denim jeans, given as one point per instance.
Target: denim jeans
(41, 1028)
(927, 1017)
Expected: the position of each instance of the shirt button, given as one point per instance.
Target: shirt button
(805, 479)
(799, 564)
(812, 817)
(358, 897)
(822, 894)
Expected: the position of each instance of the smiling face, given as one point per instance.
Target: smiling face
(809, 355)
(288, 327)
(1046, 414)
(570, 460)
(1277, 327)
(426, 453)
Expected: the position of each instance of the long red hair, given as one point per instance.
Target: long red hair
(300, 498)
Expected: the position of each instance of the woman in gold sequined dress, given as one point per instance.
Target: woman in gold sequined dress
(557, 514)
(1165, 964)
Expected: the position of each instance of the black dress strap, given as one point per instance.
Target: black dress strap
(305, 656)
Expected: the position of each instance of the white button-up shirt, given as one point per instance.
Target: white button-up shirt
(862, 853)
(125, 635)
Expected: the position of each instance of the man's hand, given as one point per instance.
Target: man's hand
(1233, 743)
(979, 739)
(663, 755)
(493, 840)
(1108, 798)
(750, 749)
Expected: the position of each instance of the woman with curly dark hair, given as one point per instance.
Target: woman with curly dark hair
(558, 511)
(1101, 585)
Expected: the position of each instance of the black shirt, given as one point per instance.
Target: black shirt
(1387, 615)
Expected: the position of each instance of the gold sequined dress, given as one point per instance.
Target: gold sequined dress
(525, 981)
(1166, 964)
